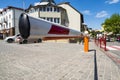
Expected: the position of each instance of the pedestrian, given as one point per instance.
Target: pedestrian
(81, 40)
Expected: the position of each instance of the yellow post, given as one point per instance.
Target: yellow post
(86, 44)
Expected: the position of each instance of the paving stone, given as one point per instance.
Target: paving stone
(54, 61)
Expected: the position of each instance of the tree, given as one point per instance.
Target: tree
(112, 24)
(94, 33)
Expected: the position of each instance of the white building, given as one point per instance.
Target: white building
(62, 13)
(75, 18)
(48, 10)
(9, 18)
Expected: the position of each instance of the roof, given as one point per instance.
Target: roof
(37, 6)
(11, 7)
(45, 2)
(50, 1)
(68, 3)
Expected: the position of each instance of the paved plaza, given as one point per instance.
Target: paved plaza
(55, 61)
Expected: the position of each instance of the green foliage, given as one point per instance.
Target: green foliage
(94, 33)
(112, 24)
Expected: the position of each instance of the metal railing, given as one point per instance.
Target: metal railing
(101, 42)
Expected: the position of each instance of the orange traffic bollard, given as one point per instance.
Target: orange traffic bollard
(86, 44)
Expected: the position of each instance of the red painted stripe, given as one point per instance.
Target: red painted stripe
(104, 47)
(60, 37)
(117, 60)
(115, 47)
(58, 30)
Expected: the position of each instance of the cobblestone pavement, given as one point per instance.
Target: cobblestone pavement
(55, 61)
(114, 54)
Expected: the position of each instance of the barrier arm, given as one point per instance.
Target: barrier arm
(37, 28)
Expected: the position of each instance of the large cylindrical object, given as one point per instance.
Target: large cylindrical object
(30, 27)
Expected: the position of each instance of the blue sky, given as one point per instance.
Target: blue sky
(94, 11)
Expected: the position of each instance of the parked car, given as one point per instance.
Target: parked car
(12, 39)
(118, 39)
(107, 39)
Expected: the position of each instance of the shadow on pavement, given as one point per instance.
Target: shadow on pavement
(95, 64)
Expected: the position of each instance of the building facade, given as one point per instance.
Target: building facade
(48, 10)
(61, 13)
(9, 18)
(75, 18)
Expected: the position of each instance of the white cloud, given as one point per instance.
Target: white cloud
(87, 12)
(1, 9)
(101, 14)
(112, 1)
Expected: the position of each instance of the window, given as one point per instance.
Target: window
(40, 8)
(4, 26)
(58, 10)
(44, 9)
(55, 9)
(37, 9)
(57, 20)
(32, 10)
(6, 18)
(9, 25)
(1, 19)
(48, 19)
(48, 9)
(51, 19)
(9, 16)
(42, 17)
(51, 9)
(0, 27)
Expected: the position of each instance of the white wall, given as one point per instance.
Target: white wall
(45, 13)
(34, 14)
(50, 14)
(12, 17)
(5, 16)
(16, 21)
(73, 16)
